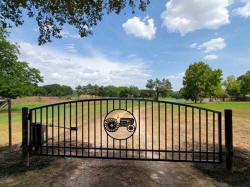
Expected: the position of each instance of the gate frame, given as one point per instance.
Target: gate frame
(26, 117)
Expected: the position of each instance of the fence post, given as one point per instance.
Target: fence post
(25, 135)
(229, 139)
(10, 125)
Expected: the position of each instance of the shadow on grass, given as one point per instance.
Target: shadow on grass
(241, 169)
(11, 163)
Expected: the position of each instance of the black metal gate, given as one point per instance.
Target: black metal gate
(122, 128)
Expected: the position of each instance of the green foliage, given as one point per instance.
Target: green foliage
(55, 90)
(52, 15)
(134, 91)
(16, 78)
(245, 83)
(160, 87)
(108, 91)
(145, 93)
(176, 94)
(201, 81)
(232, 86)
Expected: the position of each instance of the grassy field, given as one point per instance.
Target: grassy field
(43, 168)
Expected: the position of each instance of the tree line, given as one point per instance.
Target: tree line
(155, 89)
(200, 81)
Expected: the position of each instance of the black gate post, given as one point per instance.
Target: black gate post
(229, 139)
(10, 125)
(25, 135)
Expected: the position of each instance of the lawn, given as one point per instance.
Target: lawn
(225, 105)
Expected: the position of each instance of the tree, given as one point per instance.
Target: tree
(134, 91)
(162, 88)
(200, 81)
(232, 86)
(78, 91)
(124, 92)
(16, 78)
(52, 15)
(150, 85)
(244, 83)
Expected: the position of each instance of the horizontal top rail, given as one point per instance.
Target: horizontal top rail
(127, 99)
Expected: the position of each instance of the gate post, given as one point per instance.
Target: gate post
(25, 135)
(229, 139)
(10, 125)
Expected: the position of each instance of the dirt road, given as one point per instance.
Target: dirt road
(93, 172)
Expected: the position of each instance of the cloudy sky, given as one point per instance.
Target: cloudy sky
(128, 49)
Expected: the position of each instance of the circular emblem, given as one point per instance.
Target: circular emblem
(120, 124)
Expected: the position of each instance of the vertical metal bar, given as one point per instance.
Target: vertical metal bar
(200, 132)
(10, 125)
(179, 123)
(30, 129)
(25, 135)
(186, 129)
(58, 128)
(193, 131)
(166, 131)
(159, 128)
(172, 118)
(35, 138)
(139, 115)
(82, 128)
(88, 129)
(107, 105)
(220, 136)
(47, 131)
(113, 138)
(126, 139)
(120, 146)
(152, 130)
(64, 128)
(213, 136)
(52, 130)
(229, 139)
(133, 135)
(76, 128)
(95, 127)
(70, 128)
(146, 132)
(41, 121)
(101, 125)
(206, 135)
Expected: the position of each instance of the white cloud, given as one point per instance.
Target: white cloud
(186, 16)
(72, 70)
(210, 57)
(70, 48)
(243, 11)
(67, 34)
(176, 80)
(140, 28)
(211, 45)
(193, 45)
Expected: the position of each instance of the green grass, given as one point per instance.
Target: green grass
(225, 105)
(18, 107)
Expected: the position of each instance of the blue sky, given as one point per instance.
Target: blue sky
(128, 49)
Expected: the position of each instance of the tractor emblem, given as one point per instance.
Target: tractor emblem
(120, 124)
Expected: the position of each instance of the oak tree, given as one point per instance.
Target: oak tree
(52, 15)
